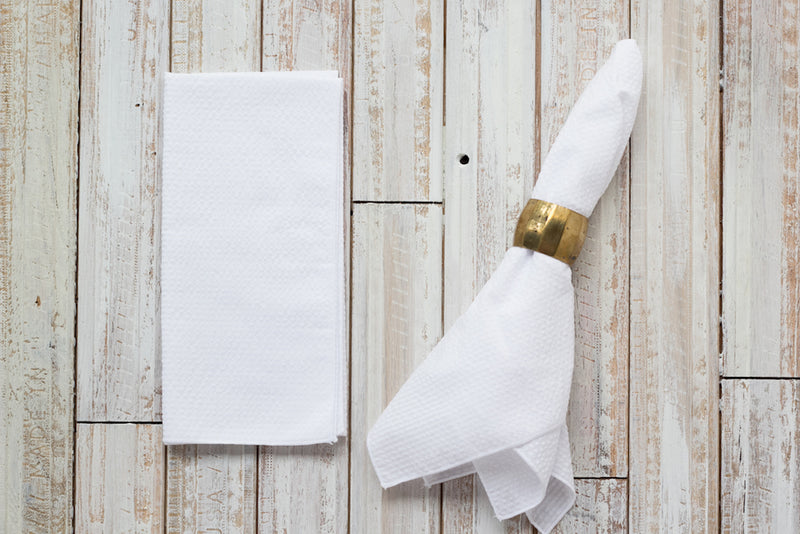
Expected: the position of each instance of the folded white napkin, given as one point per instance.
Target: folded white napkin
(252, 267)
(492, 397)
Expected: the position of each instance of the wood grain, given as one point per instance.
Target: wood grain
(38, 172)
(577, 37)
(601, 506)
(215, 35)
(398, 100)
(124, 52)
(760, 456)
(392, 58)
(302, 35)
(674, 369)
(119, 471)
(305, 489)
(397, 320)
(761, 204)
(211, 488)
(491, 118)
(466, 509)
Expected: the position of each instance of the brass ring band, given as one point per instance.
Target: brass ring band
(551, 229)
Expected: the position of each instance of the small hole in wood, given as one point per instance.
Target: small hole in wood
(38, 301)
(137, 105)
(463, 159)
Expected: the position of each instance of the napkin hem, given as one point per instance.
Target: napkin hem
(312, 441)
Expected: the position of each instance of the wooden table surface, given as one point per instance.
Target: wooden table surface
(685, 410)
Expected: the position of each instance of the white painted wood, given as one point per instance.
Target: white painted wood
(124, 52)
(305, 489)
(308, 36)
(398, 100)
(119, 478)
(760, 456)
(491, 118)
(397, 320)
(467, 509)
(577, 37)
(761, 211)
(601, 506)
(38, 171)
(216, 35)
(211, 488)
(674, 369)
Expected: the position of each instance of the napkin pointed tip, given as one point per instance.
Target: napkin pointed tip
(626, 58)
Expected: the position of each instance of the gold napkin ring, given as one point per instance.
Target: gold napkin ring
(551, 229)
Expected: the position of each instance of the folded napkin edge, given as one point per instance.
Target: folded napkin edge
(391, 482)
(326, 440)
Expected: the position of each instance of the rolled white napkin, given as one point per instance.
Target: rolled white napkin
(252, 270)
(492, 396)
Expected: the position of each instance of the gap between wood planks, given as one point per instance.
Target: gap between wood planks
(75, 422)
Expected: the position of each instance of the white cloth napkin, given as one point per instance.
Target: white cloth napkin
(252, 269)
(492, 397)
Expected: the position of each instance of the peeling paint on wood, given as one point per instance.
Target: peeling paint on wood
(761, 205)
(760, 456)
(674, 359)
(666, 270)
(397, 320)
(38, 180)
(303, 489)
(398, 100)
(211, 488)
(119, 473)
(124, 53)
(215, 35)
(601, 506)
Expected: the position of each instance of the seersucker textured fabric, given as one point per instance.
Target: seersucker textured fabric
(252, 269)
(492, 396)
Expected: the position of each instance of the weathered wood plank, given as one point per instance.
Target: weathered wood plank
(466, 509)
(211, 488)
(304, 489)
(674, 369)
(38, 177)
(397, 320)
(761, 211)
(760, 456)
(216, 35)
(600, 506)
(577, 37)
(119, 478)
(491, 119)
(308, 36)
(125, 50)
(398, 100)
